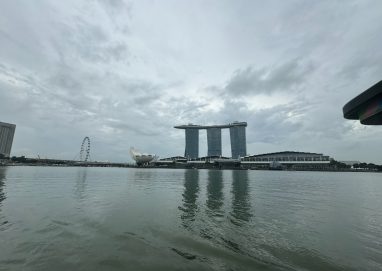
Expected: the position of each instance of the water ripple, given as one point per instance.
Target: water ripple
(163, 219)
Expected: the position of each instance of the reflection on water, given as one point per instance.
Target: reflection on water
(80, 186)
(165, 219)
(241, 206)
(143, 175)
(210, 220)
(190, 195)
(215, 192)
(3, 171)
(144, 179)
(240, 200)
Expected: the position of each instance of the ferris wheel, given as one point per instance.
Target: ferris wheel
(85, 149)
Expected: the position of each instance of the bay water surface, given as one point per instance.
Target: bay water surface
(68, 218)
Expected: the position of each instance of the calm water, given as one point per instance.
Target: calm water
(159, 219)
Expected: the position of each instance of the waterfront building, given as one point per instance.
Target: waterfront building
(192, 143)
(214, 141)
(238, 141)
(289, 159)
(7, 132)
(142, 158)
(277, 160)
(174, 159)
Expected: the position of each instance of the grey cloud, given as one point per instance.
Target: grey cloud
(270, 125)
(145, 99)
(140, 86)
(284, 77)
(106, 69)
(115, 4)
(125, 126)
(90, 42)
(363, 63)
(184, 109)
(64, 78)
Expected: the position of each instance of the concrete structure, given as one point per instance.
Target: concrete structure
(367, 107)
(7, 132)
(214, 141)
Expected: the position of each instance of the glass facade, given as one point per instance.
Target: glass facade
(238, 141)
(214, 141)
(192, 144)
(7, 132)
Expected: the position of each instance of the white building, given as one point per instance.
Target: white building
(289, 159)
(142, 158)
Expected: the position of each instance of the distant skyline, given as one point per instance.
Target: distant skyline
(125, 72)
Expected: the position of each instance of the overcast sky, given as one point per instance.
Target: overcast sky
(125, 72)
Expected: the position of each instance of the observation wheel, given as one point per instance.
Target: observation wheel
(85, 149)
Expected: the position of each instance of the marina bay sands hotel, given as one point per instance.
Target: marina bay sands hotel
(214, 139)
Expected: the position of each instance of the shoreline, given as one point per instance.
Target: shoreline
(123, 165)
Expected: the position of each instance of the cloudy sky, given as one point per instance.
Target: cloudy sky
(125, 72)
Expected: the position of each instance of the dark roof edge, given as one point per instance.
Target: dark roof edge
(351, 109)
(201, 127)
(284, 152)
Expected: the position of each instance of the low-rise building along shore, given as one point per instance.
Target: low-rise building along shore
(282, 160)
(288, 157)
(289, 160)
